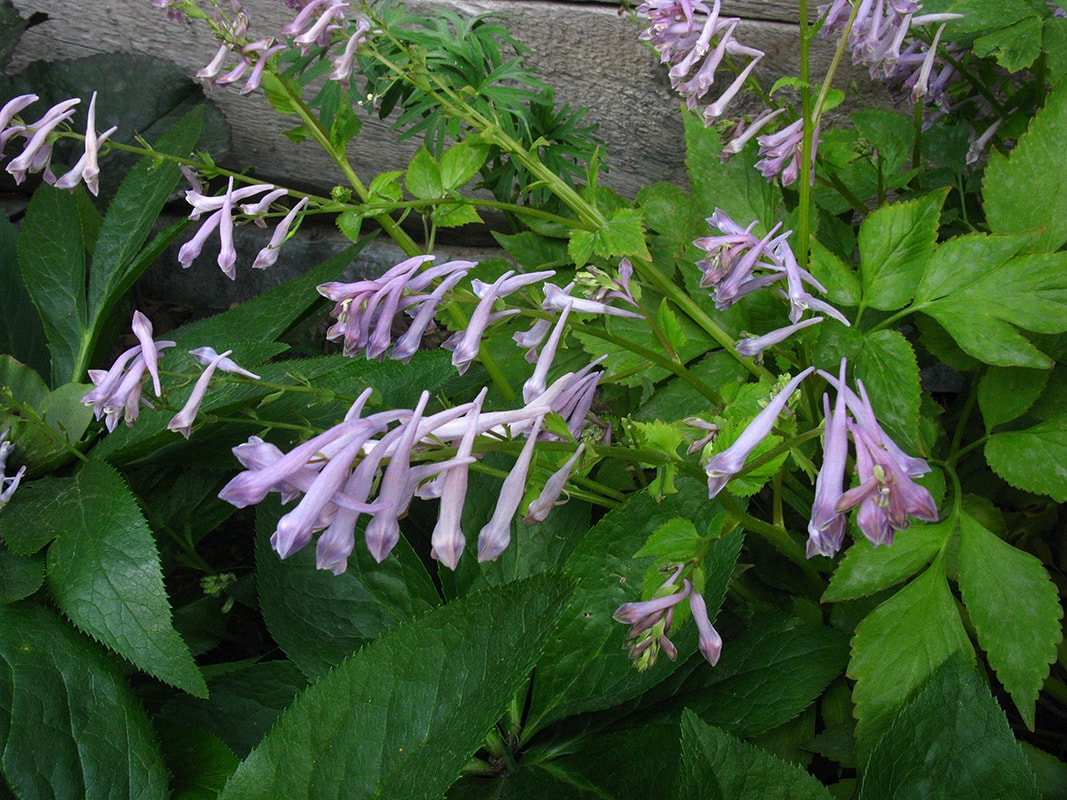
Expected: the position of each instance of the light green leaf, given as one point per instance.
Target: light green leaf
(453, 215)
(887, 366)
(675, 540)
(1028, 292)
(716, 765)
(621, 235)
(1005, 393)
(104, 575)
(350, 222)
(841, 282)
(1015, 46)
(461, 162)
(961, 261)
(1054, 43)
(51, 253)
(865, 569)
(895, 243)
(73, 729)
(950, 740)
(1028, 189)
(423, 178)
(1020, 629)
(402, 716)
(1032, 459)
(898, 646)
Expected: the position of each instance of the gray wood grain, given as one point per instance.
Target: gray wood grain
(585, 49)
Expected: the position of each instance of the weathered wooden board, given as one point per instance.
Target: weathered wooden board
(586, 50)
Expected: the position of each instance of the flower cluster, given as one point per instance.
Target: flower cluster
(118, 391)
(337, 471)
(650, 622)
(886, 496)
(695, 40)
(221, 209)
(8, 484)
(738, 263)
(36, 155)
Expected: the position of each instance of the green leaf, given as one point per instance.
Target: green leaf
(1015, 47)
(1032, 459)
(895, 243)
(453, 215)
(621, 235)
(1020, 629)
(585, 667)
(769, 674)
(72, 728)
(866, 569)
(629, 762)
(1054, 43)
(461, 162)
(132, 214)
(51, 253)
(20, 576)
(886, 364)
(1028, 292)
(735, 187)
(841, 282)
(319, 618)
(950, 740)
(199, 762)
(243, 704)
(402, 716)
(1005, 393)
(36, 514)
(533, 251)
(423, 177)
(104, 575)
(1028, 189)
(898, 646)
(21, 332)
(716, 765)
(675, 540)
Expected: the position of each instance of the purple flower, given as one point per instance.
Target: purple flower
(205, 355)
(86, 168)
(36, 156)
(465, 344)
(496, 535)
(537, 382)
(269, 254)
(650, 622)
(780, 153)
(826, 530)
(366, 310)
(743, 133)
(549, 497)
(447, 540)
(724, 465)
(754, 346)
(182, 422)
(710, 640)
(556, 299)
(342, 65)
(118, 390)
(8, 483)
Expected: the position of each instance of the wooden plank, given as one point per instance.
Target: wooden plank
(586, 50)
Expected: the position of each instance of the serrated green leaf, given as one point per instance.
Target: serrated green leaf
(350, 222)
(961, 261)
(865, 569)
(461, 162)
(104, 575)
(887, 366)
(716, 765)
(1020, 629)
(319, 618)
(1027, 292)
(669, 325)
(73, 729)
(1032, 459)
(51, 254)
(625, 763)
(1015, 47)
(621, 235)
(1054, 44)
(898, 646)
(423, 177)
(1005, 393)
(199, 762)
(769, 674)
(841, 282)
(454, 215)
(675, 540)
(950, 740)
(671, 213)
(36, 514)
(401, 717)
(1028, 189)
(534, 251)
(895, 243)
(585, 667)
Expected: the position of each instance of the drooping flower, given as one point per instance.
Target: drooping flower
(781, 151)
(496, 535)
(8, 483)
(447, 540)
(724, 465)
(87, 168)
(36, 156)
(118, 390)
(650, 621)
(826, 529)
(710, 640)
(182, 422)
(205, 355)
(549, 497)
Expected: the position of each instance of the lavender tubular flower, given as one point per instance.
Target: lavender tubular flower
(536, 383)
(465, 347)
(723, 466)
(496, 535)
(826, 529)
(547, 500)
(710, 640)
(205, 355)
(37, 153)
(556, 299)
(754, 346)
(183, 420)
(447, 539)
(8, 483)
(650, 622)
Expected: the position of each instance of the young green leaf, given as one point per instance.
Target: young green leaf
(1005, 393)
(1032, 459)
(1020, 629)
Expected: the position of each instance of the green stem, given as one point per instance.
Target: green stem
(965, 416)
(777, 537)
